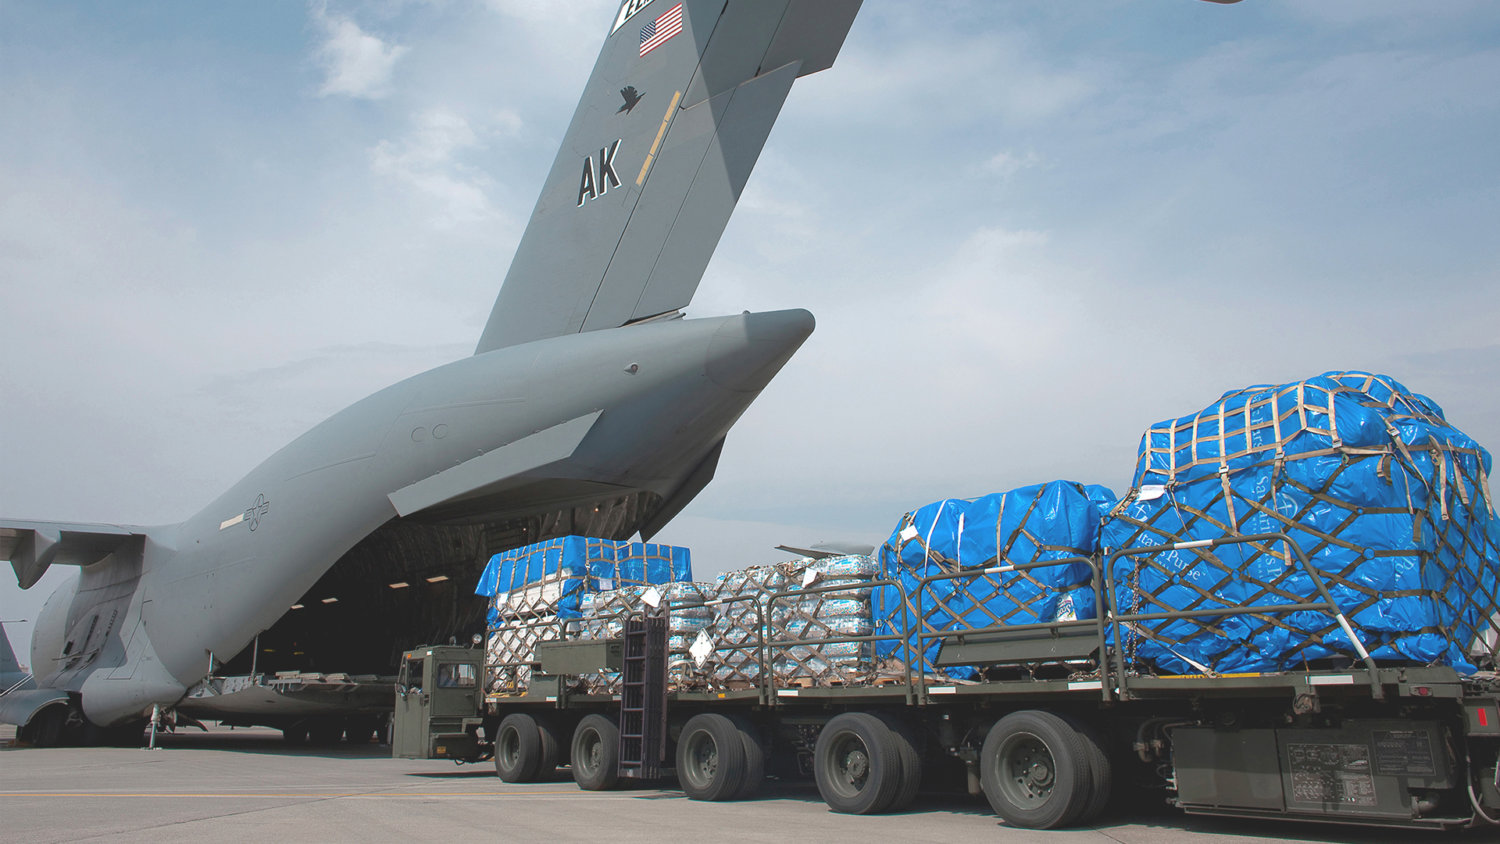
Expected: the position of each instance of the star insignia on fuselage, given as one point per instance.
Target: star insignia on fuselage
(257, 510)
(632, 99)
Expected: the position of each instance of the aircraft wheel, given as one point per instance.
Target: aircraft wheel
(711, 761)
(596, 753)
(518, 748)
(857, 764)
(1035, 770)
(47, 726)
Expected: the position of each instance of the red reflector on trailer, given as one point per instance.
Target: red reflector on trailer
(1484, 717)
(1422, 691)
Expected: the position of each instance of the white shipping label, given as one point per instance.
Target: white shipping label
(701, 648)
(652, 597)
(909, 533)
(809, 577)
(1150, 492)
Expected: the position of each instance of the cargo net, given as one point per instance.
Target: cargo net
(728, 651)
(604, 615)
(718, 646)
(510, 651)
(1389, 502)
(1053, 521)
(537, 594)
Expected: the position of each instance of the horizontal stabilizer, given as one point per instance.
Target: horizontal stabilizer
(829, 550)
(533, 452)
(32, 547)
(674, 117)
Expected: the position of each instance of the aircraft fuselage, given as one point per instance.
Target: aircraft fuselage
(633, 408)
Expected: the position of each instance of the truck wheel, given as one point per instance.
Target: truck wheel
(711, 758)
(1035, 770)
(596, 753)
(755, 757)
(551, 745)
(911, 761)
(1100, 770)
(518, 748)
(857, 764)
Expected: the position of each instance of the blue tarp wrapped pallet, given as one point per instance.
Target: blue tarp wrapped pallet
(1389, 501)
(536, 590)
(1058, 520)
(552, 577)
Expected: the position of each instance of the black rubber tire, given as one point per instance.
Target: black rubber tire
(857, 764)
(711, 758)
(1035, 770)
(295, 735)
(552, 742)
(46, 727)
(911, 760)
(1101, 773)
(518, 748)
(596, 753)
(755, 757)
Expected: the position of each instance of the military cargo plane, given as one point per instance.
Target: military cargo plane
(590, 406)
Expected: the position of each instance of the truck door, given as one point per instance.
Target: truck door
(411, 733)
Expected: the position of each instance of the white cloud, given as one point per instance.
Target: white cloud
(356, 63)
(1006, 164)
(429, 160)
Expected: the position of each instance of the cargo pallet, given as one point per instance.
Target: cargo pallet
(1058, 724)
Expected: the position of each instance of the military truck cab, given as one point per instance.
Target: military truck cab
(438, 698)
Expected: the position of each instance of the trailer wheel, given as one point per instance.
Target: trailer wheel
(755, 757)
(711, 758)
(518, 748)
(596, 753)
(911, 761)
(1035, 770)
(857, 764)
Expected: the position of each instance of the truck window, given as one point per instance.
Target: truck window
(410, 678)
(459, 675)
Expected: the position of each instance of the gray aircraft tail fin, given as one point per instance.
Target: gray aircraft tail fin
(680, 102)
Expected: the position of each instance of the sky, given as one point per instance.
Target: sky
(1028, 229)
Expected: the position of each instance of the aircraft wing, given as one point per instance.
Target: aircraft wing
(680, 102)
(32, 547)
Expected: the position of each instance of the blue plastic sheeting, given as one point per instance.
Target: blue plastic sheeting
(577, 565)
(1389, 501)
(1051, 521)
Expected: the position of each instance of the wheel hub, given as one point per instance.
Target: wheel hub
(857, 765)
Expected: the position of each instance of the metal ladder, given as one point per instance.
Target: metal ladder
(643, 697)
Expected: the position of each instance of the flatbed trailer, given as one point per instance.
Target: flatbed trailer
(1058, 723)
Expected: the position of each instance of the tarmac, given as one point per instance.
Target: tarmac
(247, 785)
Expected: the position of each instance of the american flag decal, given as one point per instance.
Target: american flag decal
(661, 30)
